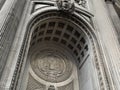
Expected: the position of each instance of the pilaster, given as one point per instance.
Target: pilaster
(115, 18)
(10, 15)
(109, 43)
(5, 15)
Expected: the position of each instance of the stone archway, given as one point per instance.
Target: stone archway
(60, 54)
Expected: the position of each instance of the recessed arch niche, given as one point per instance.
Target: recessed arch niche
(60, 53)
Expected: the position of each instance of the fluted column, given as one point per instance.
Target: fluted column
(5, 16)
(10, 15)
(109, 43)
(115, 18)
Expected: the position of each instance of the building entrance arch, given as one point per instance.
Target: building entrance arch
(60, 53)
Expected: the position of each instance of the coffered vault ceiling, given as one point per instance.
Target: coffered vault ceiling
(58, 45)
(65, 33)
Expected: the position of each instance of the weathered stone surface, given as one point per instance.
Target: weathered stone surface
(46, 47)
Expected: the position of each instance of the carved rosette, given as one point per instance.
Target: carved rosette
(51, 66)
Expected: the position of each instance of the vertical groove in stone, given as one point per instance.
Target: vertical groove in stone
(115, 18)
(109, 43)
(10, 16)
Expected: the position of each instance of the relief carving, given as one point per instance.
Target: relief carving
(66, 5)
(51, 66)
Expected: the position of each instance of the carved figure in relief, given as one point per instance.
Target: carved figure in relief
(66, 5)
(51, 66)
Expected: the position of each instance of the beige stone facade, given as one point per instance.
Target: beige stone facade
(59, 45)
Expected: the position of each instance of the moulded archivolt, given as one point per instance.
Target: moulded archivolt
(55, 13)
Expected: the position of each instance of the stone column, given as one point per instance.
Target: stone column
(115, 18)
(109, 43)
(5, 15)
(10, 15)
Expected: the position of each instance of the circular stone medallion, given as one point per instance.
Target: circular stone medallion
(51, 66)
